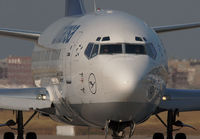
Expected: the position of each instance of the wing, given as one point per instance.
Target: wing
(180, 99)
(163, 29)
(21, 34)
(24, 99)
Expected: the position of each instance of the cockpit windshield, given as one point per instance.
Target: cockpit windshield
(135, 49)
(93, 50)
(111, 49)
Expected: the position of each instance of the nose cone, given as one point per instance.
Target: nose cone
(123, 76)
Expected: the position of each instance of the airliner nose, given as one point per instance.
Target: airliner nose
(123, 76)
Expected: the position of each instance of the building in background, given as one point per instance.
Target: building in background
(184, 73)
(3, 72)
(16, 71)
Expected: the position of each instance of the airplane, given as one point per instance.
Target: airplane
(105, 69)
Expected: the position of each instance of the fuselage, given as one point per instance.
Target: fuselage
(102, 66)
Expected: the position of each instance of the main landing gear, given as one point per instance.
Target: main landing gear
(118, 129)
(20, 127)
(171, 121)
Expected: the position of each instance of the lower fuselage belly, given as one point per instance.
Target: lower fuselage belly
(99, 113)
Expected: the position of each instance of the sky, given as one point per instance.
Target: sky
(36, 15)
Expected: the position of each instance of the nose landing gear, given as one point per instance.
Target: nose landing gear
(118, 129)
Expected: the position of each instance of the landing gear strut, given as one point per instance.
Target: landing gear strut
(171, 117)
(171, 121)
(20, 127)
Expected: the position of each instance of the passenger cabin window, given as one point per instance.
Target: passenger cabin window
(151, 51)
(135, 49)
(111, 49)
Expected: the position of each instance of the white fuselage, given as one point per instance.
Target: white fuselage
(90, 89)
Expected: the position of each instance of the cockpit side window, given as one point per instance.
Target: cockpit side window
(151, 50)
(89, 50)
(95, 50)
(111, 49)
(135, 49)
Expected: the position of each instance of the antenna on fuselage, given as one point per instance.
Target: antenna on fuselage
(95, 6)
